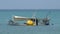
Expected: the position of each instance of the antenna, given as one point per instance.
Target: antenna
(48, 14)
(34, 14)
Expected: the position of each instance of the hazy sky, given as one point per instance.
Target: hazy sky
(29, 4)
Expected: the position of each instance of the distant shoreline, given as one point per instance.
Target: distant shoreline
(30, 9)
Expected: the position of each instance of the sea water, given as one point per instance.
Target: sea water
(6, 15)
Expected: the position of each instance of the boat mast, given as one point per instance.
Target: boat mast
(34, 16)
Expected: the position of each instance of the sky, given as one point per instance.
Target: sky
(29, 4)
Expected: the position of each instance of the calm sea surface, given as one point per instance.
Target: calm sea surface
(5, 15)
